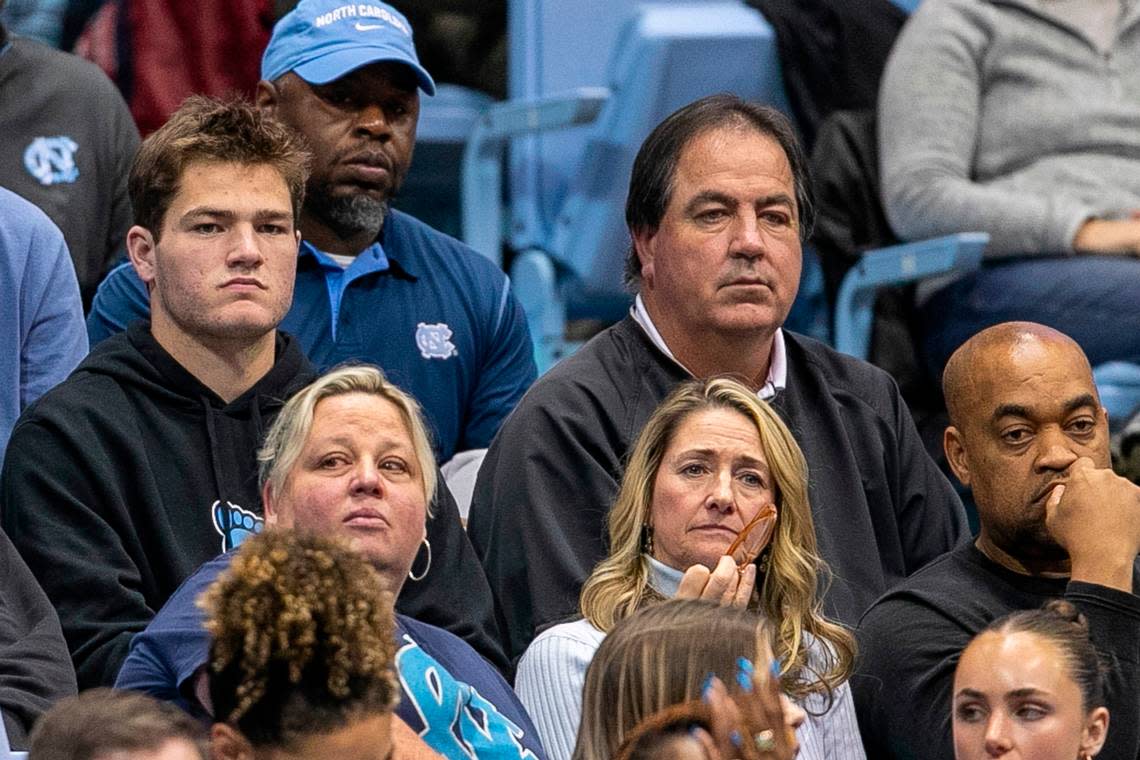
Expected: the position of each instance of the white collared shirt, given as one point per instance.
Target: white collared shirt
(777, 368)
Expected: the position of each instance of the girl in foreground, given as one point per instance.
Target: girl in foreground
(657, 688)
(1030, 686)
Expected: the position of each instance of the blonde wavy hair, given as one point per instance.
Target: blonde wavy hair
(790, 594)
(287, 435)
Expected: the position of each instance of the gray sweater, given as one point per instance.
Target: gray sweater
(1002, 116)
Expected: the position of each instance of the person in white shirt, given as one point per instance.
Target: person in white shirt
(713, 504)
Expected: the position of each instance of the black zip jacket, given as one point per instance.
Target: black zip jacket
(121, 481)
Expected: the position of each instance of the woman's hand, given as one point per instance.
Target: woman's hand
(749, 724)
(724, 585)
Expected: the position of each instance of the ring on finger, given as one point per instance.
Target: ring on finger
(765, 740)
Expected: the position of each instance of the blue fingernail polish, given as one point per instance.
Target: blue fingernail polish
(706, 687)
(745, 680)
(736, 740)
(746, 665)
(775, 668)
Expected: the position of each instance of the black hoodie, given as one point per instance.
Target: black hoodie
(121, 481)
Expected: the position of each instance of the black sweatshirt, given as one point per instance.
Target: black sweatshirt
(35, 669)
(910, 641)
(882, 509)
(121, 481)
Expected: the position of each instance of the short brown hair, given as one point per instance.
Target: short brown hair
(208, 130)
(100, 722)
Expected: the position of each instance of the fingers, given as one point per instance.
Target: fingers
(708, 745)
(725, 718)
(693, 582)
(1084, 464)
(744, 587)
(1054, 499)
(723, 581)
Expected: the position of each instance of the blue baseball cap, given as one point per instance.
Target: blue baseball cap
(322, 40)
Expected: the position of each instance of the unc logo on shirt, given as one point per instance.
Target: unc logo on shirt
(457, 721)
(434, 341)
(51, 160)
(234, 523)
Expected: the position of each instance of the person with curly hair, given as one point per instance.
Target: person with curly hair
(302, 652)
(349, 457)
(714, 473)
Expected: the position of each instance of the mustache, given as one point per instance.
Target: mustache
(1043, 492)
(743, 271)
(367, 157)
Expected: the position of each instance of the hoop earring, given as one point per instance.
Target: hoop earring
(421, 576)
(647, 539)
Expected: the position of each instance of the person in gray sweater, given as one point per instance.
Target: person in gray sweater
(1019, 118)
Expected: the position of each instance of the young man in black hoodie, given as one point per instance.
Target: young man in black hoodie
(141, 466)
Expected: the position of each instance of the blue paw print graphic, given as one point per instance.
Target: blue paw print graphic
(235, 524)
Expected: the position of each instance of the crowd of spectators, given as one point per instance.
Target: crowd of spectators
(228, 520)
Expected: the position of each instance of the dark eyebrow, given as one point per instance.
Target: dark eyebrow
(1017, 410)
(713, 196)
(213, 213)
(1010, 410)
(1083, 400)
(269, 215)
(261, 215)
(1028, 691)
(709, 196)
(970, 693)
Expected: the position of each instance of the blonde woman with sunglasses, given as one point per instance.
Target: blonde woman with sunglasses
(713, 505)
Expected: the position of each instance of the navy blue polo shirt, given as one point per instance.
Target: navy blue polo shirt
(436, 316)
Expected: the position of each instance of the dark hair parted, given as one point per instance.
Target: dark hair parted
(215, 131)
(651, 182)
(303, 639)
(102, 722)
(1061, 624)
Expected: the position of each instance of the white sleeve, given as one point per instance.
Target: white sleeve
(549, 683)
(834, 734)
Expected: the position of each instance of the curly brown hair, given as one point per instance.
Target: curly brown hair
(303, 639)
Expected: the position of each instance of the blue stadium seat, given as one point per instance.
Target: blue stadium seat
(568, 188)
(431, 190)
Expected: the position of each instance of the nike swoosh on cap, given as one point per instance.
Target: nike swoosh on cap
(367, 27)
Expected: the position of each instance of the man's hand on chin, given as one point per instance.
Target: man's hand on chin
(1095, 517)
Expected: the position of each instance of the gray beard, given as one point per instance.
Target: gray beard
(347, 215)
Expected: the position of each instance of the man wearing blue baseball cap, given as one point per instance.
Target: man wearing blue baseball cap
(374, 284)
